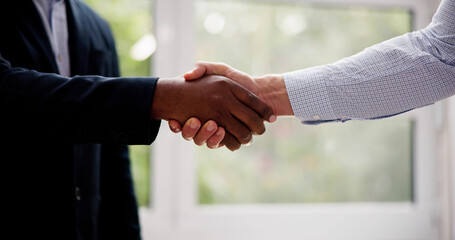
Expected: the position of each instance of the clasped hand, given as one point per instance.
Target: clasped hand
(266, 98)
(230, 110)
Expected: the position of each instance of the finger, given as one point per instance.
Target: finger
(207, 131)
(248, 117)
(239, 77)
(196, 73)
(253, 102)
(210, 68)
(175, 126)
(215, 140)
(191, 128)
(238, 130)
(230, 142)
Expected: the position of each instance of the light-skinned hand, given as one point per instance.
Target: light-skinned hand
(271, 89)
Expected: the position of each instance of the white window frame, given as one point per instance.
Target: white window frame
(451, 163)
(174, 213)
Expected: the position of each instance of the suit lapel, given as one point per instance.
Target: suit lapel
(78, 38)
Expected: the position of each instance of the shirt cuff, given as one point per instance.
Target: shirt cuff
(310, 100)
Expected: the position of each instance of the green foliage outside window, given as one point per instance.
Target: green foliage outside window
(130, 20)
(357, 161)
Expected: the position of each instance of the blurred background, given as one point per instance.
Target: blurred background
(357, 163)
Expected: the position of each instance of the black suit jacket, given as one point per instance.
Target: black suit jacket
(65, 173)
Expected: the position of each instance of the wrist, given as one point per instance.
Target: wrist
(163, 99)
(273, 92)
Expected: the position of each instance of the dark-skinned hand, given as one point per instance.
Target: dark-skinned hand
(215, 98)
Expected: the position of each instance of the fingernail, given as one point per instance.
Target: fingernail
(272, 118)
(219, 133)
(193, 124)
(176, 129)
(210, 127)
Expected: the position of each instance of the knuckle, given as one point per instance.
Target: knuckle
(220, 64)
(223, 82)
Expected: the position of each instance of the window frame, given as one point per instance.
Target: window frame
(175, 213)
(451, 163)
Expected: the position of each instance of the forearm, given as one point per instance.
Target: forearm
(398, 75)
(86, 109)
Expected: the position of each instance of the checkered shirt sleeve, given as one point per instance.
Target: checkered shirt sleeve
(395, 76)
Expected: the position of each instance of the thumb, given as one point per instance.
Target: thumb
(198, 72)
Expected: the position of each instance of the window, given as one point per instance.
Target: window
(353, 162)
(272, 189)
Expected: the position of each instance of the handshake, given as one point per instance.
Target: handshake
(232, 105)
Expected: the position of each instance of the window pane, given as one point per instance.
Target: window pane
(131, 22)
(353, 161)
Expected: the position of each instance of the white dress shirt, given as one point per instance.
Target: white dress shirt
(406, 72)
(53, 16)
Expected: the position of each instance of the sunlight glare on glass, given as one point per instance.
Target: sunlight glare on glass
(291, 24)
(144, 48)
(214, 23)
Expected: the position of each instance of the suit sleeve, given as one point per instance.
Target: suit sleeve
(82, 109)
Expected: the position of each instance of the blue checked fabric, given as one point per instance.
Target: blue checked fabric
(395, 76)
